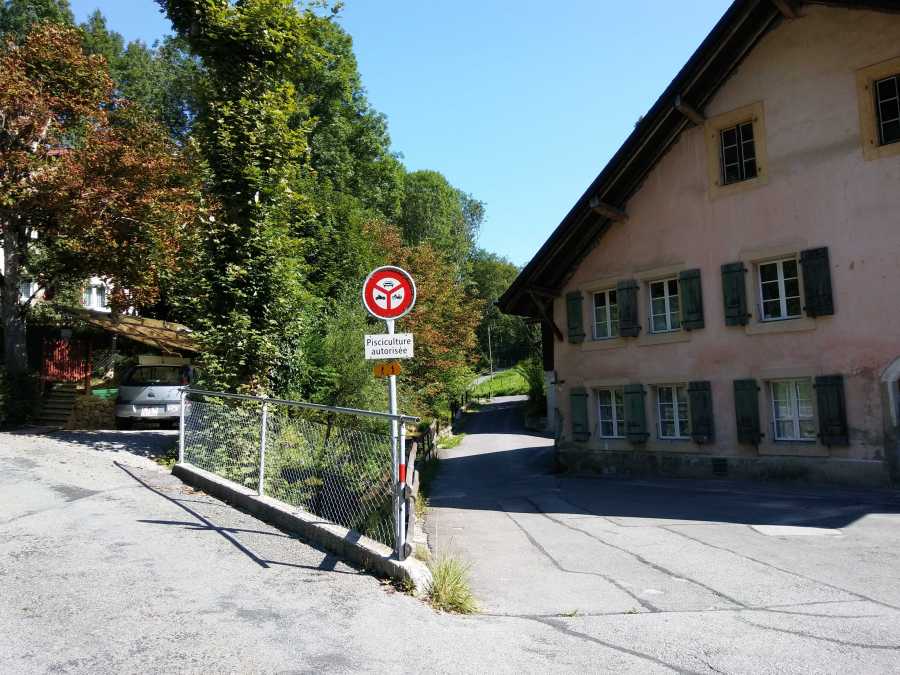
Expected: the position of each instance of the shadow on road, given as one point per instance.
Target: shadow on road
(152, 443)
(502, 467)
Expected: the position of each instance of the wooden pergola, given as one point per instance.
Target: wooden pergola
(170, 338)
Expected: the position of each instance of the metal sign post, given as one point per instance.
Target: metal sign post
(389, 293)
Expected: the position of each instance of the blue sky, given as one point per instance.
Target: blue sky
(519, 102)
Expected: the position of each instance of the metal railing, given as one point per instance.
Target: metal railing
(341, 464)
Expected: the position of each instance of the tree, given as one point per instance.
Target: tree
(432, 210)
(89, 186)
(253, 129)
(511, 339)
(17, 16)
(443, 322)
(164, 80)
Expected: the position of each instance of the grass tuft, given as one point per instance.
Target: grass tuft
(447, 442)
(449, 590)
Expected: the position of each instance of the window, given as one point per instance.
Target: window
(792, 410)
(94, 297)
(887, 109)
(26, 290)
(779, 290)
(665, 310)
(611, 412)
(672, 411)
(606, 315)
(738, 153)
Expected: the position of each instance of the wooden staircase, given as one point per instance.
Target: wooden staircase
(58, 404)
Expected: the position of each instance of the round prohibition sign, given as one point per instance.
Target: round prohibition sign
(389, 293)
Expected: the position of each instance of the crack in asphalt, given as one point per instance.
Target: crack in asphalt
(560, 627)
(802, 633)
(640, 558)
(643, 603)
(834, 587)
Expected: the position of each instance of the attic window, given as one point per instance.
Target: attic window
(887, 107)
(738, 153)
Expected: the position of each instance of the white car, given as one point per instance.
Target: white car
(152, 393)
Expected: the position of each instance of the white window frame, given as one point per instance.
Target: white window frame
(682, 426)
(618, 423)
(32, 288)
(92, 294)
(782, 292)
(796, 417)
(611, 332)
(668, 304)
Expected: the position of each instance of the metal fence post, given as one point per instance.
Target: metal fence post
(401, 488)
(181, 429)
(262, 446)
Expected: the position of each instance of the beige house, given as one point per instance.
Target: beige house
(724, 299)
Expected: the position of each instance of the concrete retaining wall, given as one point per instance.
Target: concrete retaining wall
(344, 542)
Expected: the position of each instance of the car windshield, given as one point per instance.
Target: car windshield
(165, 376)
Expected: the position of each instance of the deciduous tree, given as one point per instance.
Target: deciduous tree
(89, 186)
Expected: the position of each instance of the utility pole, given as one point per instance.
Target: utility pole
(491, 362)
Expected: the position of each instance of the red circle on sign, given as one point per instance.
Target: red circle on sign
(389, 293)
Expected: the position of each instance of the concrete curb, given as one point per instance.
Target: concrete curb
(344, 542)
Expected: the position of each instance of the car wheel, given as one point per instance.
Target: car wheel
(124, 423)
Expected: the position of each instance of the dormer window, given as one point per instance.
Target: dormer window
(887, 108)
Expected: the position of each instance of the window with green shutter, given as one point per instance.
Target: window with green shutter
(635, 414)
(574, 318)
(817, 282)
(691, 299)
(734, 293)
(701, 411)
(746, 410)
(832, 410)
(627, 298)
(581, 429)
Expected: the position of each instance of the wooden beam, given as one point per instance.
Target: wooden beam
(607, 210)
(788, 8)
(689, 111)
(545, 316)
(543, 291)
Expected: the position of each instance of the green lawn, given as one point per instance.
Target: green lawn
(507, 383)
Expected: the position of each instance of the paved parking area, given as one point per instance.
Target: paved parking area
(108, 564)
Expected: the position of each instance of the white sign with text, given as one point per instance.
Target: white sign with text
(387, 346)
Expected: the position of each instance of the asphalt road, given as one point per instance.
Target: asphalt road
(708, 576)
(110, 565)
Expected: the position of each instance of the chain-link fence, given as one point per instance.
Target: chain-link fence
(336, 463)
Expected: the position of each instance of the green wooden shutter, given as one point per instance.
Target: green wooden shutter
(832, 410)
(627, 299)
(734, 292)
(701, 407)
(581, 429)
(746, 410)
(635, 415)
(817, 282)
(691, 299)
(574, 317)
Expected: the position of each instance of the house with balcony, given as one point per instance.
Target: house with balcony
(722, 300)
